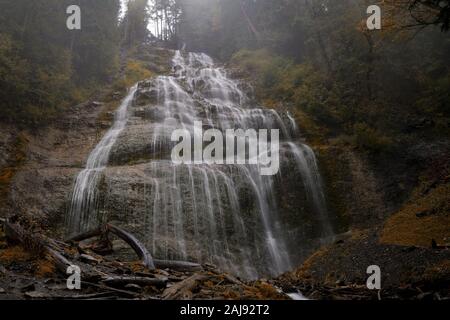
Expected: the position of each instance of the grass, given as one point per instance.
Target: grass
(438, 272)
(425, 217)
(143, 63)
(135, 70)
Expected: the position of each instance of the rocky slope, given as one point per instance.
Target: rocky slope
(395, 214)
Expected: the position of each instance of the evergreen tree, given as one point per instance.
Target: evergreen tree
(43, 65)
(134, 25)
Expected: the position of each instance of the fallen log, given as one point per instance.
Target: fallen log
(87, 235)
(61, 263)
(183, 290)
(141, 281)
(233, 280)
(108, 288)
(37, 244)
(178, 265)
(89, 296)
(137, 246)
(16, 234)
(134, 243)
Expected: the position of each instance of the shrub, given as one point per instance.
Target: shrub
(281, 80)
(371, 140)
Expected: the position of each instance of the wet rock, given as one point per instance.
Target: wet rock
(96, 104)
(117, 95)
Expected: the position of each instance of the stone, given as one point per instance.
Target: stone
(96, 104)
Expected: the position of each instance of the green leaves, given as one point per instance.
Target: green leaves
(43, 65)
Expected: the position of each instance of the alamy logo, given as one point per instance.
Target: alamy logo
(74, 280)
(237, 147)
(374, 20)
(74, 20)
(374, 281)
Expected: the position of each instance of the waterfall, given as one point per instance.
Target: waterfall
(83, 210)
(228, 215)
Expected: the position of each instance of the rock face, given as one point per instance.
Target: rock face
(54, 155)
(394, 207)
(229, 215)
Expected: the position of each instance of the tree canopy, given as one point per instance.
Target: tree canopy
(43, 64)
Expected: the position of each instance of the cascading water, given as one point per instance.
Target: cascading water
(83, 210)
(228, 215)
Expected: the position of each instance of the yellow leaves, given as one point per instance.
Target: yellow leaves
(45, 268)
(135, 71)
(17, 254)
(14, 254)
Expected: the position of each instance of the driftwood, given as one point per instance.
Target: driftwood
(178, 265)
(233, 280)
(36, 243)
(61, 263)
(137, 246)
(104, 278)
(183, 290)
(134, 243)
(15, 232)
(141, 281)
(90, 296)
(107, 288)
(87, 235)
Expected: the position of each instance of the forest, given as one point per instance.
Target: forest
(364, 177)
(316, 55)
